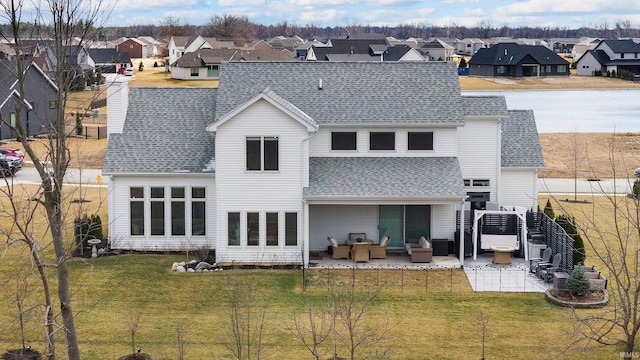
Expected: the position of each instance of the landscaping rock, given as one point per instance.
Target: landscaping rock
(190, 270)
(181, 269)
(203, 265)
(174, 267)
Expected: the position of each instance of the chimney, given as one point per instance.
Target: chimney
(117, 103)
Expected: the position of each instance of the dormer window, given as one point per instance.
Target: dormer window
(343, 140)
(382, 141)
(420, 140)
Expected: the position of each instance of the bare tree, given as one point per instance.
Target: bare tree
(611, 227)
(170, 26)
(361, 339)
(67, 20)
(231, 27)
(315, 332)
(246, 319)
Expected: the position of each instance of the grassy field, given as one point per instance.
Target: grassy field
(442, 322)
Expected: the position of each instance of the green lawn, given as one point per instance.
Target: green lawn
(441, 322)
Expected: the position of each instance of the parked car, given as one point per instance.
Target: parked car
(9, 165)
(128, 72)
(13, 152)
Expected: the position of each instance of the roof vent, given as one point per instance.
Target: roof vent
(319, 84)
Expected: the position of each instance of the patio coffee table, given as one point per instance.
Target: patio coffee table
(502, 254)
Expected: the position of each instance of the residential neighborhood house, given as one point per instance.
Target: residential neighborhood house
(204, 64)
(514, 60)
(40, 93)
(283, 155)
(610, 56)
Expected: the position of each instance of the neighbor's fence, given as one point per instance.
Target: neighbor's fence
(389, 280)
(94, 132)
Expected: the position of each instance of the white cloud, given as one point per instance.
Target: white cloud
(551, 7)
(241, 3)
(459, 1)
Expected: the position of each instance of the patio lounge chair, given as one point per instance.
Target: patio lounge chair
(360, 252)
(338, 251)
(420, 252)
(546, 272)
(534, 263)
(379, 251)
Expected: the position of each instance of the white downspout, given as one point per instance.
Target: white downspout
(461, 235)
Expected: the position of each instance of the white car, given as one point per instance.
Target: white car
(128, 72)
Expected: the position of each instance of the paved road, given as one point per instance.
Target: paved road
(29, 175)
(569, 186)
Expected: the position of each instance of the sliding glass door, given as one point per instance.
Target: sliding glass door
(404, 222)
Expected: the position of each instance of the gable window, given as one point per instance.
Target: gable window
(212, 71)
(195, 72)
(136, 210)
(342, 140)
(233, 228)
(382, 141)
(420, 140)
(272, 229)
(157, 211)
(177, 211)
(262, 153)
(291, 229)
(198, 211)
(253, 228)
(12, 119)
(53, 104)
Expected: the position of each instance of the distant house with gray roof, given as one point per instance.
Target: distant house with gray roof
(204, 64)
(41, 96)
(281, 155)
(610, 56)
(515, 60)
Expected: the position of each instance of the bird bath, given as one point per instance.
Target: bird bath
(93, 243)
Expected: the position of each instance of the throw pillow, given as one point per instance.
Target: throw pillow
(333, 241)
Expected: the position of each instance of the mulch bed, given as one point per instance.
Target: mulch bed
(565, 298)
(21, 355)
(139, 356)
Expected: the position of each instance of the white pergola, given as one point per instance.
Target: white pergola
(479, 214)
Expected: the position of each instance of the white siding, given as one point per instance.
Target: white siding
(340, 220)
(443, 221)
(119, 222)
(185, 74)
(479, 153)
(519, 188)
(255, 191)
(444, 142)
(587, 65)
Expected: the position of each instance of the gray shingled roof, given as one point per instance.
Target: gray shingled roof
(484, 106)
(164, 132)
(520, 142)
(335, 178)
(352, 93)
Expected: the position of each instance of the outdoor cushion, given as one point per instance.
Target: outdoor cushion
(332, 241)
(424, 243)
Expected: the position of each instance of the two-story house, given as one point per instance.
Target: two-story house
(283, 154)
(610, 56)
(40, 93)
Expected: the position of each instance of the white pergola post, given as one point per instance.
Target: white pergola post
(461, 235)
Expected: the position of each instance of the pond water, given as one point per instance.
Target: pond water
(601, 110)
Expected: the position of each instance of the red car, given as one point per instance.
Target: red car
(13, 152)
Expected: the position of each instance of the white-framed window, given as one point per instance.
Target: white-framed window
(253, 229)
(272, 228)
(382, 140)
(291, 229)
(195, 72)
(343, 140)
(262, 153)
(420, 140)
(167, 206)
(213, 71)
(233, 228)
(136, 210)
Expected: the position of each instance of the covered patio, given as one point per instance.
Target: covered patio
(482, 274)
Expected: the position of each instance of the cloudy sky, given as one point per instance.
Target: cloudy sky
(513, 13)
